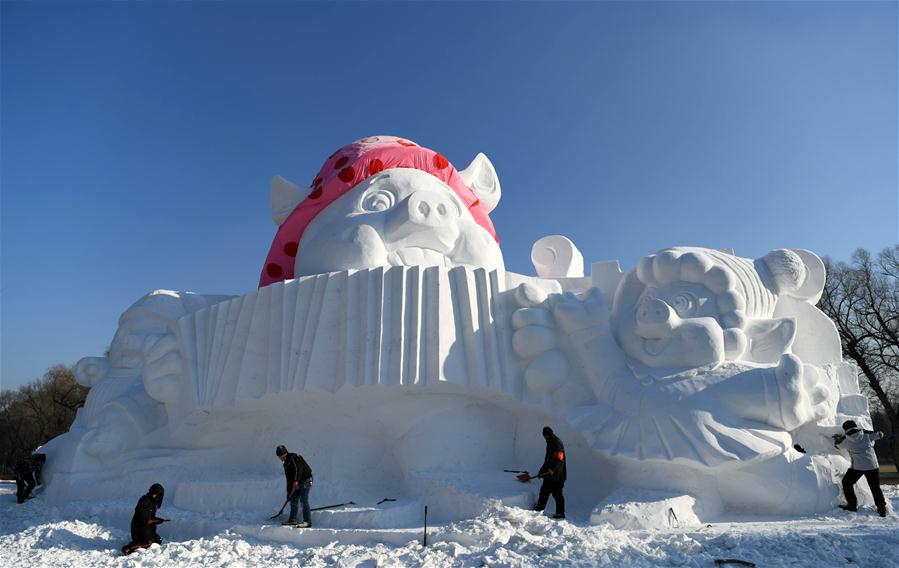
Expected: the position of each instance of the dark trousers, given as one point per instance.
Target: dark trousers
(301, 493)
(144, 535)
(873, 478)
(553, 488)
(23, 489)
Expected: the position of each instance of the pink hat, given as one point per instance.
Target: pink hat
(341, 173)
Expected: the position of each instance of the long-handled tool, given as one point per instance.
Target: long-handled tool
(278, 514)
(333, 506)
(513, 471)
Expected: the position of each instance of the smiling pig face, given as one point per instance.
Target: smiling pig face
(385, 201)
(688, 307)
(400, 217)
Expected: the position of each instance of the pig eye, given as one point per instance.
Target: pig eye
(684, 304)
(379, 200)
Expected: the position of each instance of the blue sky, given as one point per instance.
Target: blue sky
(138, 140)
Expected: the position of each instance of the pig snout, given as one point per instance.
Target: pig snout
(425, 219)
(655, 319)
(430, 209)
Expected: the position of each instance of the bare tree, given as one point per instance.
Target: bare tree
(38, 412)
(862, 298)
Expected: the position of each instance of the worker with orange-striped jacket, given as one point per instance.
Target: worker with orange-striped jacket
(553, 473)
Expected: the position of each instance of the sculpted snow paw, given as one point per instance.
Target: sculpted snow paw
(89, 370)
(803, 395)
(163, 367)
(112, 437)
(574, 315)
(535, 340)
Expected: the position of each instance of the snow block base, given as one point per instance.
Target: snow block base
(645, 510)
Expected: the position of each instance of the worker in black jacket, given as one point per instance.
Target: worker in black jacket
(299, 482)
(144, 521)
(28, 474)
(553, 472)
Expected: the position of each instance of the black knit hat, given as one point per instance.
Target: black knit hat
(849, 425)
(547, 431)
(158, 491)
(280, 451)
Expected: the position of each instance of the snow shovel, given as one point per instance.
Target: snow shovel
(384, 500)
(278, 514)
(523, 477)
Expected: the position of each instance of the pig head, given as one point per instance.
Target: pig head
(688, 307)
(398, 217)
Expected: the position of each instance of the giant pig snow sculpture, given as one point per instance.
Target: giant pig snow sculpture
(388, 342)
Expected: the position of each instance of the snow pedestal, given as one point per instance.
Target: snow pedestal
(644, 510)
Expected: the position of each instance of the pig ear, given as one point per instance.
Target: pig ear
(481, 178)
(815, 275)
(769, 339)
(284, 197)
(795, 272)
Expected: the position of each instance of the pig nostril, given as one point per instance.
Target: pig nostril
(423, 208)
(441, 209)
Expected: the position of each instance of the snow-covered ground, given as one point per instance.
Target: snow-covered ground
(90, 535)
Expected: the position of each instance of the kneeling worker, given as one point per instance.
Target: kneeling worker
(299, 482)
(144, 521)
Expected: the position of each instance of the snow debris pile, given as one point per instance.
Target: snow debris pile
(79, 536)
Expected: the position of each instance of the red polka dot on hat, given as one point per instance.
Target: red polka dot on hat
(346, 175)
(273, 270)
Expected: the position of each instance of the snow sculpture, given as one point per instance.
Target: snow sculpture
(387, 342)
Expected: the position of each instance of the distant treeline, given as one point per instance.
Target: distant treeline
(37, 412)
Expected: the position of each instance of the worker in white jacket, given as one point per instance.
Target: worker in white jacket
(860, 444)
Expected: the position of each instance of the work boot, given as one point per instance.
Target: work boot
(289, 523)
(852, 508)
(882, 510)
(304, 525)
(559, 516)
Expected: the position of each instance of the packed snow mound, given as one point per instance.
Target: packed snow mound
(388, 345)
(642, 510)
